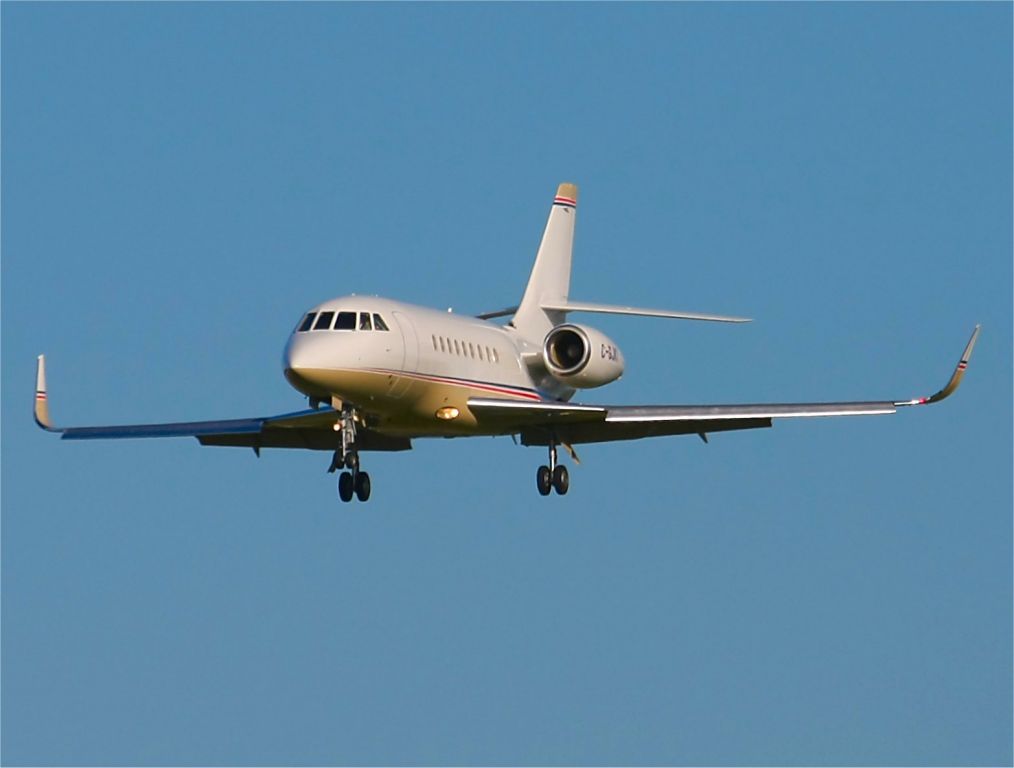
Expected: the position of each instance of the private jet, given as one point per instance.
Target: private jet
(379, 373)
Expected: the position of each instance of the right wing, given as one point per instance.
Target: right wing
(312, 429)
(540, 423)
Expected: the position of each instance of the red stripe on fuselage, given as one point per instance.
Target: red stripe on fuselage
(465, 383)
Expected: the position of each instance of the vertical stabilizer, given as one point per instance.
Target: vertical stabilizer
(550, 279)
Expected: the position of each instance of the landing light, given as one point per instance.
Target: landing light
(447, 413)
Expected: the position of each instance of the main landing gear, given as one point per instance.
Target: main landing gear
(352, 482)
(554, 477)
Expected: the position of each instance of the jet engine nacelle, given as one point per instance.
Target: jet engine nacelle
(579, 356)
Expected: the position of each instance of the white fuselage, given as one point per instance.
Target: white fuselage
(425, 362)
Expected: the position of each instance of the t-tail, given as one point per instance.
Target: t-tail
(546, 301)
(550, 279)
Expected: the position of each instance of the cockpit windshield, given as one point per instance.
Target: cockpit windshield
(323, 321)
(346, 321)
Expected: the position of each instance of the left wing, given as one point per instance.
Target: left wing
(313, 429)
(540, 423)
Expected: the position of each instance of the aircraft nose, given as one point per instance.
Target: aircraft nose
(308, 363)
(291, 357)
(295, 364)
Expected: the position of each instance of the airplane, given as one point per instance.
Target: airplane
(379, 373)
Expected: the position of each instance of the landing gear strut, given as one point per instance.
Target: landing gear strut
(554, 477)
(352, 481)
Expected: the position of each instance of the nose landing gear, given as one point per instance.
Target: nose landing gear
(352, 482)
(356, 482)
(554, 477)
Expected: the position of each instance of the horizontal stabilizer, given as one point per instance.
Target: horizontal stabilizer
(611, 309)
(497, 313)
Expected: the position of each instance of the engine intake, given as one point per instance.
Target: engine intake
(582, 357)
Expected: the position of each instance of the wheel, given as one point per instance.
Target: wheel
(544, 480)
(345, 486)
(561, 479)
(352, 462)
(362, 486)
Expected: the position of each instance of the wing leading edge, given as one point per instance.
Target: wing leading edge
(312, 429)
(572, 423)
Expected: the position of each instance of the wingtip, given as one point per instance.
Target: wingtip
(971, 344)
(956, 377)
(41, 411)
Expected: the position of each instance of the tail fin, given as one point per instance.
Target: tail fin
(550, 279)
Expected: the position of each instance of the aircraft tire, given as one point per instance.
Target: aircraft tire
(544, 480)
(561, 479)
(345, 488)
(362, 486)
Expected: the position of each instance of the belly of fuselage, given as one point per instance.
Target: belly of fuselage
(410, 403)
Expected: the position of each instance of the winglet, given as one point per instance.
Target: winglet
(956, 377)
(41, 403)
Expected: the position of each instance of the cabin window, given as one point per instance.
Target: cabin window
(378, 323)
(457, 349)
(434, 342)
(471, 350)
(496, 356)
(323, 321)
(364, 322)
(346, 321)
(307, 323)
(442, 344)
(480, 352)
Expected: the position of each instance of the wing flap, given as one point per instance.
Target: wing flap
(607, 432)
(313, 439)
(546, 412)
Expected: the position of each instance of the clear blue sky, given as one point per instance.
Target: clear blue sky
(180, 181)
